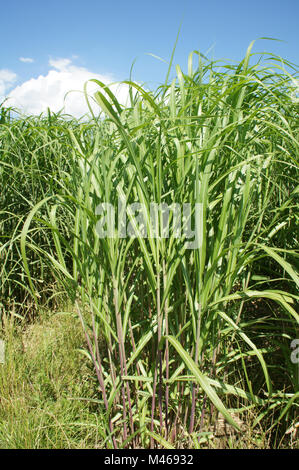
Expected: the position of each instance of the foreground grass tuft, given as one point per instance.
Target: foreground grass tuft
(41, 383)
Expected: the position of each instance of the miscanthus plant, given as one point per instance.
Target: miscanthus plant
(34, 163)
(180, 336)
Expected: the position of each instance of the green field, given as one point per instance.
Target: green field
(142, 342)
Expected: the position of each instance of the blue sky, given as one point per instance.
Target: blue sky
(86, 38)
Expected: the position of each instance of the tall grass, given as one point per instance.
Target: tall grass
(34, 164)
(177, 336)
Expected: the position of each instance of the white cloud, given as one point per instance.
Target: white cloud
(37, 94)
(61, 64)
(7, 79)
(27, 60)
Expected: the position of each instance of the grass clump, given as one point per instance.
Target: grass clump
(42, 383)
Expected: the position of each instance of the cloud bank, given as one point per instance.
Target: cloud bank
(7, 79)
(61, 89)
